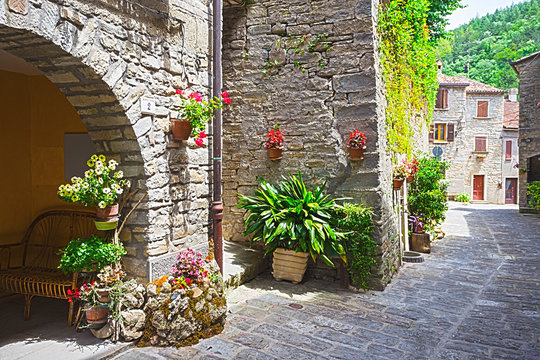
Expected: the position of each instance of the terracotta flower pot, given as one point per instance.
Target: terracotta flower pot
(275, 153)
(103, 295)
(398, 183)
(410, 178)
(289, 265)
(356, 154)
(181, 129)
(96, 316)
(107, 218)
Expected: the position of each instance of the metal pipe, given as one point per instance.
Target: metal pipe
(217, 204)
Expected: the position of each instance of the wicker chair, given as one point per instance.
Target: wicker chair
(30, 267)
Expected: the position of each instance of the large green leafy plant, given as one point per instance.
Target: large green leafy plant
(88, 254)
(356, 222)
(292, 217)
(428, 193)
(533, 190)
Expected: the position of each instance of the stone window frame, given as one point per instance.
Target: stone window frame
(474, 144)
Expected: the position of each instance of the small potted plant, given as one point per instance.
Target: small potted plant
(193, 114)
(89, 254)
(96, 312)
(533, 190)
(401, 172)
(356, 145)
(100, 187)
(292, 235)
(274, 143)
(413, 169)
(108, 277)
(419, 240)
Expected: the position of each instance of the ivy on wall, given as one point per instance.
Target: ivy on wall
(408, 68)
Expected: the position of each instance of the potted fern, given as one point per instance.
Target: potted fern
(293, 223)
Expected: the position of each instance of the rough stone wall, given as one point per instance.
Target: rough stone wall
(464, 162)
(104, 55)
(529, 122)
(317, 102)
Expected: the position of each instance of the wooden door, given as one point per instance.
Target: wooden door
(510, 192)
(478, 187)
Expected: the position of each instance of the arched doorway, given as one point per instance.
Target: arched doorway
(58, 96)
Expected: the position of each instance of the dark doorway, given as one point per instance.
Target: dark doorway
(510, 191)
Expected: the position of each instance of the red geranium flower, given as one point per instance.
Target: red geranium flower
(225, 94)
(199, 141)
(202, 134)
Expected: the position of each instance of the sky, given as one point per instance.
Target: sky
(476, 8)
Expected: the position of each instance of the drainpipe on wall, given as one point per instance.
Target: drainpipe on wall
(217, 203)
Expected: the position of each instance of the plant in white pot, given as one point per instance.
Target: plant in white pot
(294, 223)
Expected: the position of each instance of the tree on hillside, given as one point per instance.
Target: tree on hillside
(483, 48)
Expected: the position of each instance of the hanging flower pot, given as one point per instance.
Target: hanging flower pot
(106, 218)
(275, 154)
(356, 145)
(96, 316)
(274, 144)
(410, 178)
(398, 183)
(181, 129)
(356, 154)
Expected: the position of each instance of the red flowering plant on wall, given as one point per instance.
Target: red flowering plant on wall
(357, 140)
(275, 138)
(412, 165)
(198, 111)
(189, 269)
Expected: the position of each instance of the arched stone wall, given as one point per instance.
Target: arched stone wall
(104, 59)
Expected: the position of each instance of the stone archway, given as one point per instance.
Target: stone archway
(98, 107)
(104, 55)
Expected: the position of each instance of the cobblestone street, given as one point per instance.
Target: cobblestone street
(476, 296)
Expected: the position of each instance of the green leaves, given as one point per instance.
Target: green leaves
(533, 190)
(89, 253)
(292, 217)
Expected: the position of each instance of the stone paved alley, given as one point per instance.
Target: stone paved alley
(476, 296)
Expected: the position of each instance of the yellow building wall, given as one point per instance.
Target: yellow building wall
(35, 117)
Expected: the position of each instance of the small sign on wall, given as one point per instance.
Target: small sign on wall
(148, 106)
(78, 148)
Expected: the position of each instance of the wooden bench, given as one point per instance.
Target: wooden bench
(30, 267)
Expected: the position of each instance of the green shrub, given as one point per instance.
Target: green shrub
(427, 196)
(463, 197)
(533, 190)
(291, 217)
(356, 222)
(90, 253)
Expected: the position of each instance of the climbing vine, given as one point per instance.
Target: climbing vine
(409, 70)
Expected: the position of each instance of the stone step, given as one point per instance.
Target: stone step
(241, 264)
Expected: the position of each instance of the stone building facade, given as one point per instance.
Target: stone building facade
(510, 150)
(312, 68)
(104, 56)
(528, 70)
(467, 127)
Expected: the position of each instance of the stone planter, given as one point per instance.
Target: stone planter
(356, 154)
(421, 242)
(398, 183)
(180, 129)
(275, 154)
(289, 265)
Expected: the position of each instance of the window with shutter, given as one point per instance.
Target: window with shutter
(482, 109)
(431, 132)
(442, 99)
(508, 154)
(480, 143)
(440, 132)
(450, 137)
